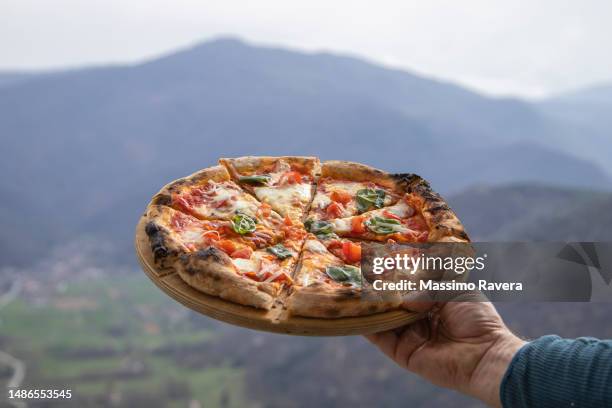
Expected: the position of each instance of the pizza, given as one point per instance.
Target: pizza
(288, 231)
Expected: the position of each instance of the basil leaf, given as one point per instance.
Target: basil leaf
(381, 225)
(255, 179)
(345, 274)
(280, 251)
(327, 235)
(369, 198)
(243, 224)
(319, 227)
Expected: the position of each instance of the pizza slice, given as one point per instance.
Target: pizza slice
(285, 183)
(211, 195)
(346, 189)
(212, 257)
(420, 215)
(327, 286)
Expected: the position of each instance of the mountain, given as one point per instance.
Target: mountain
(534, 213)
(583, 122)
(84, 150)
(10, 78)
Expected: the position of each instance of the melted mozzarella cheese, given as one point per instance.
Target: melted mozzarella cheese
(226, 201)
(223, 193)
(401, 209)
(341, 225)
(246, 265)
(315, 246)
(282, 199)
(192, 236)
(321, 201)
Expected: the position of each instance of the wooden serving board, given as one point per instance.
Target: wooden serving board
(276, 321)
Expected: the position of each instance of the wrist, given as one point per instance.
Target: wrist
(486, 379)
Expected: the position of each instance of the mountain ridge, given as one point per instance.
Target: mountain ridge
(97, 143)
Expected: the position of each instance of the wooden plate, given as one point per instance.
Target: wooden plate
(245, 316)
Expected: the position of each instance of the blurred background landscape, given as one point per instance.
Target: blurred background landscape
(84, 149)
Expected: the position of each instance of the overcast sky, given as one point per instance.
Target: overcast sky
(513, 47)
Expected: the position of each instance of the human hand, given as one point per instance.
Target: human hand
(461, 345)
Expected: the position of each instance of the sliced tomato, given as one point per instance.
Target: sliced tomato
(244, 253)
(334, 210)
(213, 235)
(283, 277)
(416, 222)
(252, 275)
(294, 232)
(291, 177)
(340, 196)
(265, 209)
(334, 243)
(226, 246)
(357, 226)
(389, 214)
(351, 251)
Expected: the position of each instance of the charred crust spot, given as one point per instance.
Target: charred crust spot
(210, 252)
(412, 183)
(438, 208)
(407, 178)
(162, 199)
(428, 195)
(462, 234)
(156, 238)
(191, 270)
(151, 228)
(160, 252)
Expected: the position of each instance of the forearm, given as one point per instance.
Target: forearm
(555, 372)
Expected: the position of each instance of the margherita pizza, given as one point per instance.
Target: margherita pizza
(288, 230)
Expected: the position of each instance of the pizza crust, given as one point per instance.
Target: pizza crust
(351, 171)
(211, 271)
(249, 165)
(318, 301)
(444, 226)
(164, 247)
(216, 173)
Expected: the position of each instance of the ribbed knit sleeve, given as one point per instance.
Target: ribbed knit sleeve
(555, 372)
